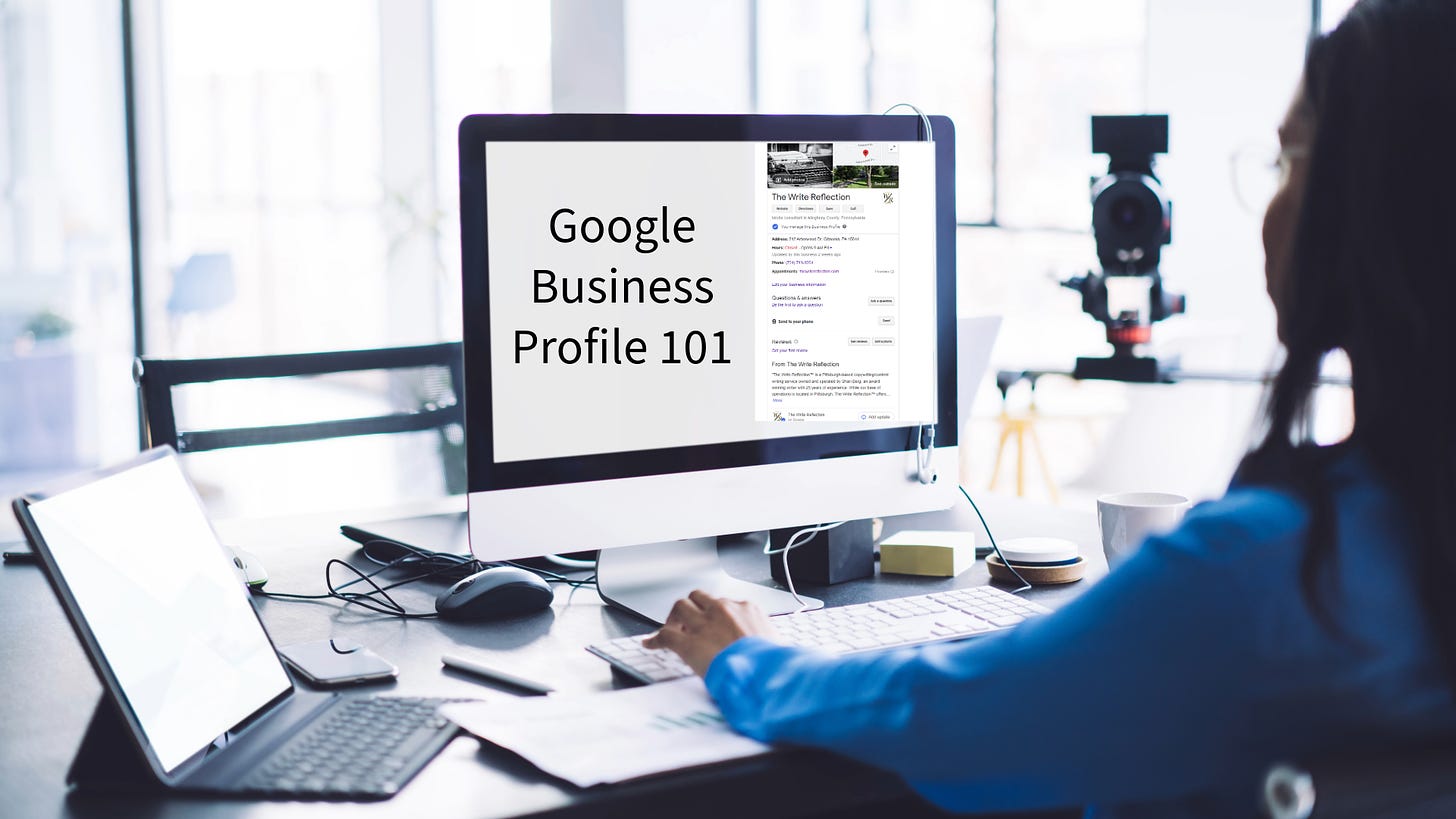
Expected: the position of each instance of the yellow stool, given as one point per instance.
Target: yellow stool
(1021, 427)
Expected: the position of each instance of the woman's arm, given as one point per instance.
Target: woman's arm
(1137, 689)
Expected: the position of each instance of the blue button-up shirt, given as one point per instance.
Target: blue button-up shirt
(1165, 690)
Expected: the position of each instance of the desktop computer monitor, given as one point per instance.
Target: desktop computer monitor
(677, 327)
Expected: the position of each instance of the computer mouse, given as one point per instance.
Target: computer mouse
(249, 569)
(500, 591)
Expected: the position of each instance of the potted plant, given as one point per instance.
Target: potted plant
(38, 378)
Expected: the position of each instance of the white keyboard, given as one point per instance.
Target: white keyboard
(903, 621)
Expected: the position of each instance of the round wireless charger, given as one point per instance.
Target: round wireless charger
(1042, 561)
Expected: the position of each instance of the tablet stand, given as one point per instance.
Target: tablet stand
(108, 758)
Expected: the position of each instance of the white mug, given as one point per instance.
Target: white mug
(1128, 518)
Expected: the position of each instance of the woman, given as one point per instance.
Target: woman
(1311, 610)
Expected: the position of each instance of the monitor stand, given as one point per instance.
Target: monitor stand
(646, 580)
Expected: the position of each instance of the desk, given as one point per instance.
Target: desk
(50, 690)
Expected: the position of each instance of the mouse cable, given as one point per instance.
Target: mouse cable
(377, 599)
(366, 600)
(449, 566)
(384, 603)
(328, 595)
(794, 542)
(997, 549)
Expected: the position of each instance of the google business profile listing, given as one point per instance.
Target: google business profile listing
(632, 294)
(843, 263)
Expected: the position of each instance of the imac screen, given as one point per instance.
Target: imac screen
(750, 300)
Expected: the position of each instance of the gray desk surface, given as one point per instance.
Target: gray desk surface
(49, 689)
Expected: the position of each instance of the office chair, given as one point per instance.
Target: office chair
(440, 408)
(201, 286)
(1399, 785)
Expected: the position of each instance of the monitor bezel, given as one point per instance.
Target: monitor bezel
(484, 474)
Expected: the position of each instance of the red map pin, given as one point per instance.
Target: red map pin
(866, 152)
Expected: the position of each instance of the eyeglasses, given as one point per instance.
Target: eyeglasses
(1259, 171)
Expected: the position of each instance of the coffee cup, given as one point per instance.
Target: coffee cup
(1129, 518)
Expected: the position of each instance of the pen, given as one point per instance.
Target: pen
(473, 667)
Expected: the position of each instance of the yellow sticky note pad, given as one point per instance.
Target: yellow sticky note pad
(930, 554)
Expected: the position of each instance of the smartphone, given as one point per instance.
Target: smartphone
(337, 662)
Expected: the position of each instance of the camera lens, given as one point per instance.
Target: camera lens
(1127, 212)
(1130, 220)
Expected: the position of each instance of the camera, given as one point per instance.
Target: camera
(1132, 219)
(1131, 216)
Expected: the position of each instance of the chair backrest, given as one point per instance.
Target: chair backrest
(156, 378)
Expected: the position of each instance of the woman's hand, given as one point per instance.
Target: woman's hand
(701, 625)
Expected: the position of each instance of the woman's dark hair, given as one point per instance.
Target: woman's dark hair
(1373, 271)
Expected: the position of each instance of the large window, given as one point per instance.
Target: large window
(302, 198)
(297, 175)
(65, 283)
(271, 232)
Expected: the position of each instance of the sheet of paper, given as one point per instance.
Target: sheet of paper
(612, 736)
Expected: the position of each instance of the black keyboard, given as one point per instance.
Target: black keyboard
(360, 748)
